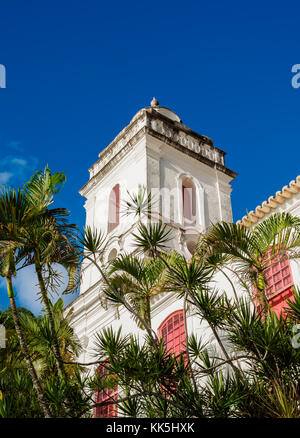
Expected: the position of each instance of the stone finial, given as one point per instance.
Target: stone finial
(154, 102)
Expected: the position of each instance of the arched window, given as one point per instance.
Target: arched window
(173, 333)
(114, 208)
(189, 199)
(110, 410)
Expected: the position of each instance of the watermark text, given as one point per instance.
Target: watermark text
(296, 77)
(2, 76)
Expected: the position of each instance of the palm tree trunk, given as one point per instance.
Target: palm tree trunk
(231, 283)
(264, 302)
(48, 311)
(261, 286)
(25, 352)
(186, 344)
(152, 334)
(214, 330)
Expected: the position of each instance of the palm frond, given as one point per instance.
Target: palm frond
(91, 240)
(39, 190)
(152, 238)
(138, 204)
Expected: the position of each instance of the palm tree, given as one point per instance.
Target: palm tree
(40, 339)
(48, 243)
(11, 356)
(204, 387)
(140, 279)
(15, 214)
(257, 349)
(31, 233)
(16, 390)
(45, 240)
(253, 250)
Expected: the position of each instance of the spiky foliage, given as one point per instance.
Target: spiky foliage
(244, 363)
(31, 233)
(150, 378)
(152, 238)
(17, 396)
(40, 339)
(41, 188)
(137, 280)
(138, 204)
(253, 250)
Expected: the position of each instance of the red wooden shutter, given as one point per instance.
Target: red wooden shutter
(110, 410)
(173, 333)
(279, 282)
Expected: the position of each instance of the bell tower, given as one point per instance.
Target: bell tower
(183, 169)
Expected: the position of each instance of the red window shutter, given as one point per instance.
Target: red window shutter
(279, 281)
(110, 410)
(173, 333)
(114, 208)
(187, 202)
(279, 302)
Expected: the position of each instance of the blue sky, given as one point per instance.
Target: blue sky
(77, 71)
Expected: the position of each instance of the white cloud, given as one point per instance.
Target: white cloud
(17, 169)
(4, 177)
(19, 161)
(27, 289)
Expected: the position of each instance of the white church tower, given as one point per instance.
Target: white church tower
(157, 151)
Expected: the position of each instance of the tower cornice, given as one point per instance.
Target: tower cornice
(174, 133)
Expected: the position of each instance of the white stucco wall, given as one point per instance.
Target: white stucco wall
(154, 162)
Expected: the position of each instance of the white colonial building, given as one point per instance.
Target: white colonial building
(157, 151)
(283, 275)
